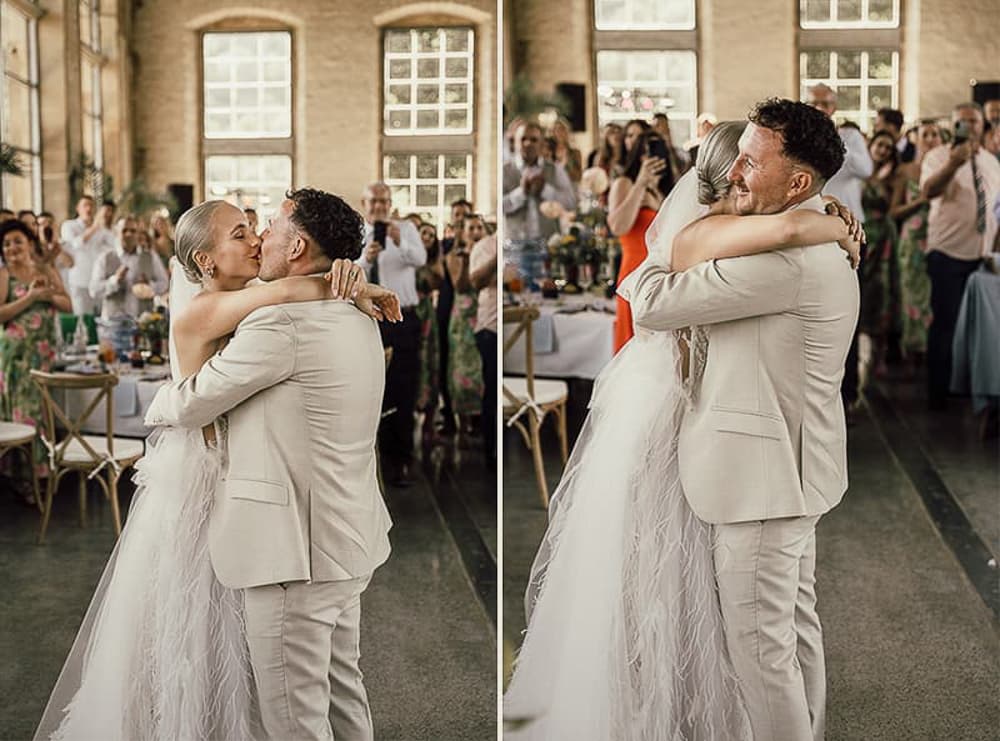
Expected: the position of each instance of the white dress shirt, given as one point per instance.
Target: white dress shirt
(105, 285)
(846, 186)
(398, 263)
(84, 253)
(522, 218)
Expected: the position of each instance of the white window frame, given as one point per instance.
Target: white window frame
(864, 83)
(835, 22)
(91, 54)
(32, 13)
(439, 142)
(633, 26)
(245, 146)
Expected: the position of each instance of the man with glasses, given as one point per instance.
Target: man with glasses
(392, 253)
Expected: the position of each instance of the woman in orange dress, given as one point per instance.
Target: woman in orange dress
(632, 205)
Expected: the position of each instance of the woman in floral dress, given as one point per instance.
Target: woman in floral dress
(909, 209)
(32, 294)
(429, 278)
(879, 274)
(465, 375)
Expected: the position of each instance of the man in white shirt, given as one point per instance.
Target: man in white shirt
(846, 186)
(962, 181)
(118, 271)
(393, 252)
(528, 181)
(86, 238)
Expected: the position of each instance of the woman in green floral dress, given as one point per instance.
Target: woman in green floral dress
(465, 373)
(429, 278)
(909, 209)
(32, 295)
(879, 272)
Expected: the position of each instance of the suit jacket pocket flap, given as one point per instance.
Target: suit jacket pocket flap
(749, 423)
(257, 491)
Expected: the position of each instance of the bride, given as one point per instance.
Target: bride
(625, 639)
(161, 653)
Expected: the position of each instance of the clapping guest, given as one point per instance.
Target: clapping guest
(125, 279)
(961, 182)
(429, 279)
(32, 294)
(879, 272)
(528, 181)
(393, 253)
(633, 202)
(909, 208)
(446, 300)
(86, 238)
(465, 374)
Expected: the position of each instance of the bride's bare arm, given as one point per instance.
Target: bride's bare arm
(719, 236)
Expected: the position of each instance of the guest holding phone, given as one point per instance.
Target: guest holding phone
(633, 202)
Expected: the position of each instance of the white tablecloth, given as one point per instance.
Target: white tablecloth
(132, 397)
(567, 345)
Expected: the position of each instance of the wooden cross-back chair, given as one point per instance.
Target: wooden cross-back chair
(16, 436)
(528, 400)
(87, 455)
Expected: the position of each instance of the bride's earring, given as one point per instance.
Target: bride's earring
(209, 270)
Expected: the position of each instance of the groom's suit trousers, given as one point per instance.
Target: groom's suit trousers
(767, 590)
(304, 643)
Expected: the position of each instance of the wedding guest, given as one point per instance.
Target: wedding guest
(27, 217)
(429, 279)
(891, 120)
(878, 273)
(446, 299)
(32, 295)
(563, 150)
(961, 182)
(909, 208)
(119, 271)
(633, 130)
(846, 186)
(393, 264)
(610, 154)
(6, 215)
(465, 373)
(483, 277)
(163, 238)
(86, 238)
(510, 138)
(50, 247)
(528, 180)
(633, 202)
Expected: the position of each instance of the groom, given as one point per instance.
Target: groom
(298, 523)
(762, 452)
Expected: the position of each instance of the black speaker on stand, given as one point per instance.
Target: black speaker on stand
(183, 195)
(576, 96)
(983, 91)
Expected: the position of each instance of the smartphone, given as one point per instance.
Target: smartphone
(658, 148)
(962, 133)
(380, 230)
(48, 234)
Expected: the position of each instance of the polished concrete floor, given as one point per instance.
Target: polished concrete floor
(428, 639)
(913, 652)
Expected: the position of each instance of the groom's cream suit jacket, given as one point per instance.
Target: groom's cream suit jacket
(765, 436)
(301, 385)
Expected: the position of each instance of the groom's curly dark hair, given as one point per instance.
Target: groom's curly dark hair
(809, 135)
(333, 225)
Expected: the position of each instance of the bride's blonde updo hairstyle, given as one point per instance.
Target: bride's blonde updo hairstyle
(716, 154)
(194, 234)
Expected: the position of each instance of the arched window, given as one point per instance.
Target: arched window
(19, 122)
(247, 127)
(646, 62)
(852, 46)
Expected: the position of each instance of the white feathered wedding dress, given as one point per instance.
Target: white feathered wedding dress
(625, 638)
(161, 654)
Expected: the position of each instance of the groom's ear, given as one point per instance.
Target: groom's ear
(299, 248)
(802, 183)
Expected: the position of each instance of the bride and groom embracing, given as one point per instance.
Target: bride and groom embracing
(230, 607)
(673, 596)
